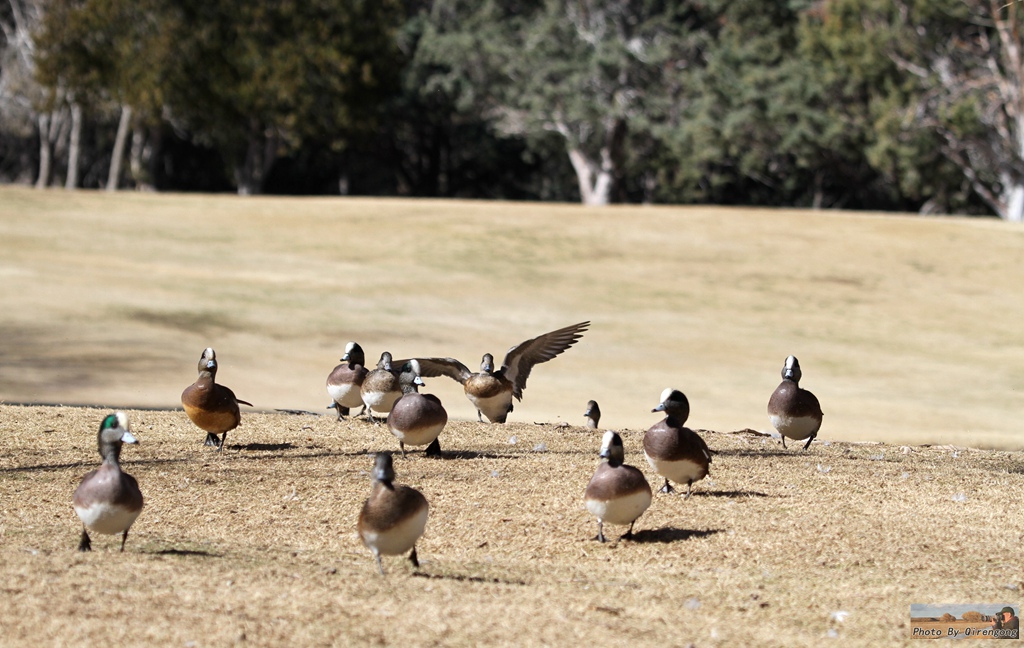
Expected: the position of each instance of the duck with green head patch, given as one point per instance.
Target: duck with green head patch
(108, 500)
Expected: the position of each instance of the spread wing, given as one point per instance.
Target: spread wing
(520, 359)
(431, 367)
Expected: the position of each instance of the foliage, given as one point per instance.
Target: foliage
(910, 105)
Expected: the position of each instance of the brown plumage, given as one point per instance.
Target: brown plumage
(211, 406)
(416, 419)
(617, 493)
(393, 517)
(346, 380)
(676, 452)
(491, 391)
(593, 415)
(380, 388)
(794, 411)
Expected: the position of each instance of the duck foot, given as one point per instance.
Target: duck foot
(434, 449)
(85, 544)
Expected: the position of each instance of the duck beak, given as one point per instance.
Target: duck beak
(659, 408)
(128, 437)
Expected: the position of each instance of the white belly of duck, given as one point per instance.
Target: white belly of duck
(795, 427)
(418, 436)
(380, 401)
(348, 395)
(106, 518)
(621, 510)
(495, 408)
(398, 539)
(681, 472)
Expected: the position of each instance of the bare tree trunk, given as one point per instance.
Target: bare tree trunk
(596, 179)
(45, 152)
(117, 157)
(259, 158)
(74, 146)
(140, 159)
(1013, 199)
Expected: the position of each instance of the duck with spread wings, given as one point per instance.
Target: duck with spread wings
(490, 390)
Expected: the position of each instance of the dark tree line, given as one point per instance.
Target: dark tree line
(863, 104)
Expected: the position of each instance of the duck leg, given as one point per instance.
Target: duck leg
(783, 440)
(667, 488)
(434, 449)
(628, 535)
(376, 556)
(211, 439)
(413, 558)
(600, 531)
(223, 438)
(480, 416)
(124, 538)
(85, 544)
(689, 489)
(401, 444)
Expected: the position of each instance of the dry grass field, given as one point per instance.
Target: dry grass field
(256, 545)
(906, 328)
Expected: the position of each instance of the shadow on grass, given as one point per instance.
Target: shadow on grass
(730, 494)
(471, 454)
(672, 534)
(186, 552)
(762, 452)
(263, 447)
(462, 578)
(89, 465)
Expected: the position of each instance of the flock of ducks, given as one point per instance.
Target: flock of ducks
(393, 518)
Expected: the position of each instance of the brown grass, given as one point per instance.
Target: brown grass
(907, 328)
(256, 545)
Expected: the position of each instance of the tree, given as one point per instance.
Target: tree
(22, 97)
(965, 59)
(597, 75)
(106, 54)
(256, 79)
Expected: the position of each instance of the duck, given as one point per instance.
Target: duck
(416, 419)
(345, 381)
(794, 411)
(108, 500)
(491, 391)
(380, 388)
(394, 517)
(593, 414)
(617, 493)
(674, 451)
(211, 406)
